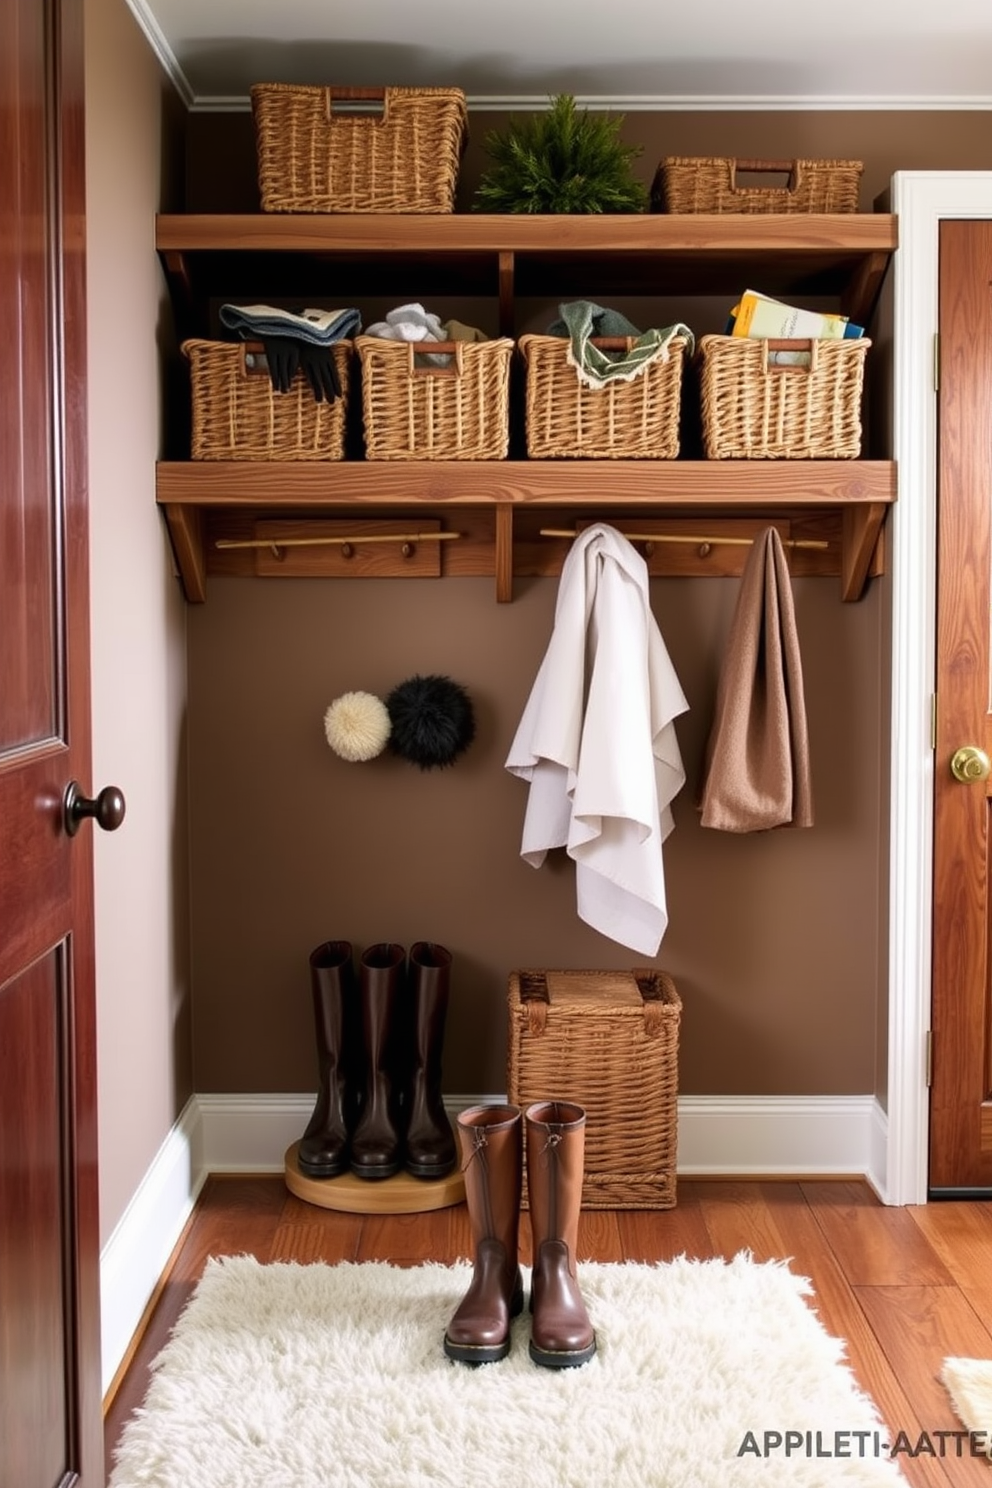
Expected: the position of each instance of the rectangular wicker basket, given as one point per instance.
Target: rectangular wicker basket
(237, 414)
(416, 410)
(702, 183)
(753, 409)
(607, 1040)
(624, 420)
(403, 157)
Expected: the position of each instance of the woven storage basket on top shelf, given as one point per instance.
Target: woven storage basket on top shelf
(314, 159)
(415, 410)
(238, 415)
(624, 420)
(753, 409)
(607, 1040)
(701, 183)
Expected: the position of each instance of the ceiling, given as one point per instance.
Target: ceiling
(641, 53)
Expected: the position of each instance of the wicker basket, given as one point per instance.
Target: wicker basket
(753, 409)
(237, 415)
(635, 420)
(607, 1040)
(404, 158)
(416, 410)
(687, 183)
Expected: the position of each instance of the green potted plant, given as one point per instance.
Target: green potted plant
(565, 160)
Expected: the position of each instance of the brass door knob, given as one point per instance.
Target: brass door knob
(969, 763)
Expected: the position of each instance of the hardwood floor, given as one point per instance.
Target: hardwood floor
(905, 1287)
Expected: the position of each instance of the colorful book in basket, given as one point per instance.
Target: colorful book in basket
(758, 315)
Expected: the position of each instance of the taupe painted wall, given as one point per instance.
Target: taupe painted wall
(773, 938)
(221, 163)
(777, 941)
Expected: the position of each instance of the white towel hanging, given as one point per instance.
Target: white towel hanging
(597, 742)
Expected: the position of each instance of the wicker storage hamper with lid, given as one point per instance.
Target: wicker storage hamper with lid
(238, 415)
(753, 409)
(706, 183)
(625, 420)
(402, 157)
(609, 1041)
(413, 409)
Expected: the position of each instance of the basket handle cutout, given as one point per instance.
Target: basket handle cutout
(789, 168)
(436, 348)
(253, 363)
(356, 105)
(797, 344)
(620, 344)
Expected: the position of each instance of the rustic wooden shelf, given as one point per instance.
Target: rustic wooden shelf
(840, 255)
(496, 506)
(207, 501)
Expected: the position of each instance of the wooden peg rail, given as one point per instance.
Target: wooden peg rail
(386, 519)
(701, 541)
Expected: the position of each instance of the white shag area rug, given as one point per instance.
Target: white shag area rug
(969, 1384)
(708, 1375)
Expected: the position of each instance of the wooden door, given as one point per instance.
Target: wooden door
(50, 1397)
(961, 1018)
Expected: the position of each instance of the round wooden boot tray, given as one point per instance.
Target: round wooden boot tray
(402, 1194)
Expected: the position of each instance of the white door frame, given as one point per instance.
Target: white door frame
(920, 199)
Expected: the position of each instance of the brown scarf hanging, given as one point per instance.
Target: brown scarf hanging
(757, 768)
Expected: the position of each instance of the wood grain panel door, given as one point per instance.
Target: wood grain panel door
(50, 1406)
(961, 1019)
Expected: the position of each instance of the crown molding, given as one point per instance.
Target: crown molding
(632, 103)
(607, 103)
(727, 103)
(167, 58)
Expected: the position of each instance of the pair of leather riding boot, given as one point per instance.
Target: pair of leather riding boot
(492, 1142)
(379, 1044)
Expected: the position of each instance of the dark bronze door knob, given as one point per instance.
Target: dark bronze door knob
(107, 809)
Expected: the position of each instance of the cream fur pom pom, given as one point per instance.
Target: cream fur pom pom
(357, 726)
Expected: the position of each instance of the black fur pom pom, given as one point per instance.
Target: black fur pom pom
(432, 721)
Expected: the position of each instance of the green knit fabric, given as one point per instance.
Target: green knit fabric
(581, 321)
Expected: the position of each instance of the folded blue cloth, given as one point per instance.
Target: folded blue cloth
(294, 339)
(317, 327)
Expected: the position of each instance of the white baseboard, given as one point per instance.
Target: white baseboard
(744, 1136)
(878, 1173)
(250, 1133)
(136, 1254)
(732, 1136)
(736, 1136)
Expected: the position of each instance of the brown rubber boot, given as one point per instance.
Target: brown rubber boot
(492, 1160)
(377, 1142)
(430, 1142)
(561, 1334)
(323, 1150)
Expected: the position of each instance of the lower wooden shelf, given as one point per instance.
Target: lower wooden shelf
(221, 514)
(402, 1194)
